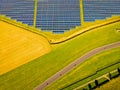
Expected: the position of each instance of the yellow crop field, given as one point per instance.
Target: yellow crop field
(19, 46)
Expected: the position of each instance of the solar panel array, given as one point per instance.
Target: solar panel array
(54, 15)
(100, 9)
(22, 10)
(58, 15)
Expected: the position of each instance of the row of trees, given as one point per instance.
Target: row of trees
(97, 84)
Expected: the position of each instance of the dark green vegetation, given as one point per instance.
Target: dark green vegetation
(35, 72)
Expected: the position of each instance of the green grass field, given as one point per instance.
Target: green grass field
(87, 68)
(35, 72)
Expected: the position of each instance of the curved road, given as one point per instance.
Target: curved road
(75, 63)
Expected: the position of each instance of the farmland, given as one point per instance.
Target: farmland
(18, 46)
(59, 44)
(38, 70)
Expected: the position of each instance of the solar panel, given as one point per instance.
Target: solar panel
(100, 9)
(58, 15)
(21, 10)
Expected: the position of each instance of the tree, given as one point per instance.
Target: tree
(96, 83)
(90, 87)
(118, 70)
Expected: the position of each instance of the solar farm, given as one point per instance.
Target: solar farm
(59, 44)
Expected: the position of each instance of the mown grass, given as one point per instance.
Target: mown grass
(112, 85)
(88, 68)
(35, 72)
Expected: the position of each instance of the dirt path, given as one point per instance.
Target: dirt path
(75, 63)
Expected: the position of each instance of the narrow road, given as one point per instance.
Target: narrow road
(75, 63)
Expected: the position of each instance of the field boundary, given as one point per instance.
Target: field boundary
(114, 19)
(21, 25)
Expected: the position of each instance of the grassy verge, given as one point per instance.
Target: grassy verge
(35, 72)
(88, 68)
